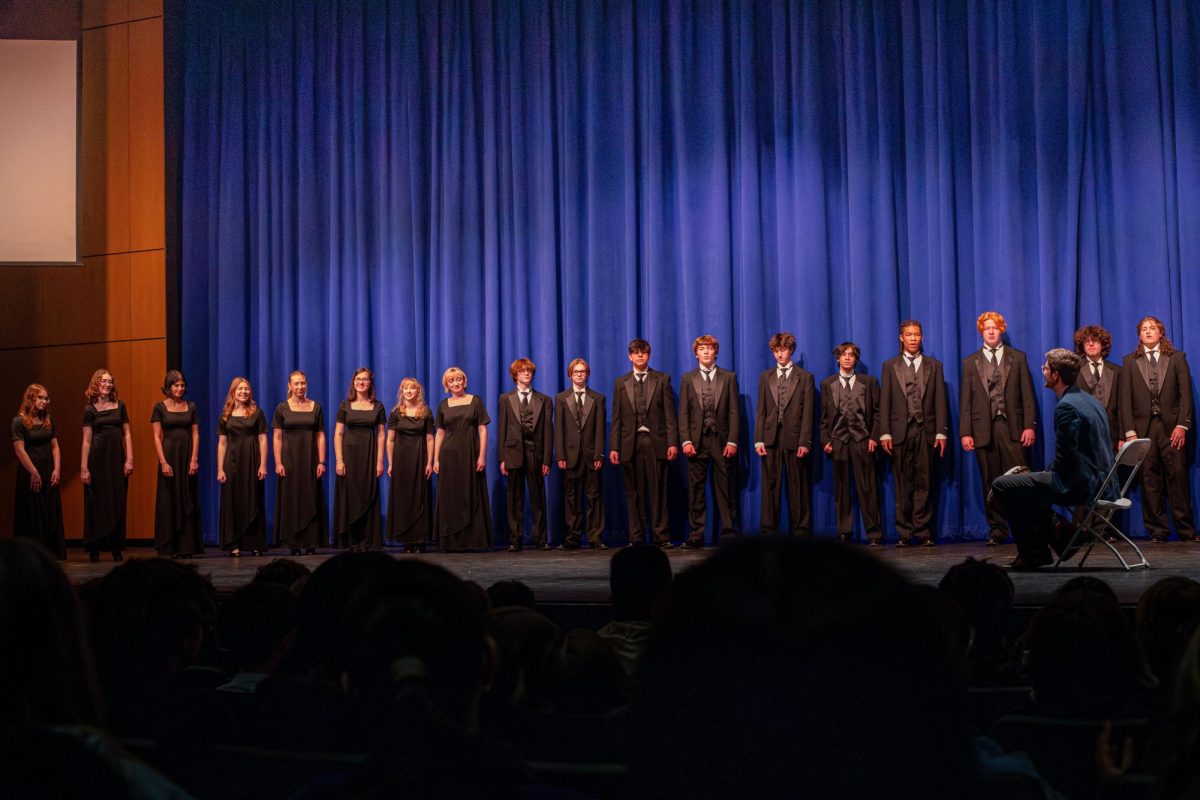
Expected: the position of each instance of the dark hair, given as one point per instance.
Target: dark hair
(782, 339)
(352, 393)
(254, 623)
(637, 577)
(847, 346)
(283, 572)
(511, 593)
(1101, 335)
(911, 323)
(639, 346)
(173, 377)
(1066, 363)
(1164, 344)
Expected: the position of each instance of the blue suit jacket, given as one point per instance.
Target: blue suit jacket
(1082, 447)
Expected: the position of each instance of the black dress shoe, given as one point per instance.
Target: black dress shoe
(295, 551)
(844, 538)
(544, 546)
(666, 545)
(693, 544)
(904, 543)
(566, 546)
(94, 558)
(514, 548)
(311, 551)
(1030, 563)
(996, 541)
(929, 542)
(874, 543)
(117, 556)
(1158, 539)
(599, 546)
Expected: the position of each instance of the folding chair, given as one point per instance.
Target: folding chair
(1097, 523)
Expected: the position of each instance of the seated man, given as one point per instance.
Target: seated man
(1082, 459)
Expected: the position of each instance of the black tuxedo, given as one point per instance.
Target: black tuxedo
(1155, 418)
(641, 438)
(709, 428)
(849, 417)
(1106, 391)
(783, 431)
(997, 436)
(579, 442)
(524, 447)
(913, 436)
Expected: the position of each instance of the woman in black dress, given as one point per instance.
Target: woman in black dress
(410, 463)
(358, 458)
(176, 426)
(462, 520)
(299, 444)
(241, 468)
(106, 463)
(37, 514)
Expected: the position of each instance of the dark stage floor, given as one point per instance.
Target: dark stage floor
(582, 576)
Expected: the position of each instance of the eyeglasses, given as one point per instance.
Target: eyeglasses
(43, 397)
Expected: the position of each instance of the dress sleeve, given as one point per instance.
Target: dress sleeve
(481, 415)
(341, 412)
(441, 414)
(89, 415)
(428, 424)
(18, 429)
(260, 421)
(380, 416)
(156, 415)
(319, 416)
(192, 407)
(393, 422)
(222, 430)
(277, 421)
(122, 411)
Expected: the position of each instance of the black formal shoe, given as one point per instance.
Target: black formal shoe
(599, 546)
(996, 541)
(845, 538)
(514, 548)
(566, 546)
(666, 545)
(1030, 564)
(258, 552)
(1158, 539)
(312, 551)
(544, 546)
(117, 556)
(94, 558)
(295, 551)
(874, 543)
(904, 543)
(693, 544)
(235, 553)
(929, 542)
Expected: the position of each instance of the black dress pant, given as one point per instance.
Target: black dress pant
(581, 483)
(912, 476)
(710, 453)
(646, 480)
(1165, 465)
(781, 465)
(528, 476)
(852, 460)
(995, 459)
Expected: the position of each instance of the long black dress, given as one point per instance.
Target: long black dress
(104, 498)
(462, 519)
(356, 517)
(409, 499)
(177, 498)
(243, 513)
(300, 499)
(38, 515)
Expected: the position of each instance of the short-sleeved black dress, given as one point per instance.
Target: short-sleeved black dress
(38, 515)
(177, 498)
(300, 520)
(104, 498)
(356, 516)
(409, 497)
(243, 516)
(462, 519)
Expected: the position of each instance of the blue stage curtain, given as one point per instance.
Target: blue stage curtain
(414, 185)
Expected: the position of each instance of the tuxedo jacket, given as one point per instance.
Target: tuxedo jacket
(893, 401)
(511, 445)
(1110, 379)
(975, 407)
(1174, 396)
(796, 430)
(865, 392)
(691, 408)
(572, 441)
(660, 414)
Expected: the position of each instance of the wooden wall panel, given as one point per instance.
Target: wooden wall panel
(88, 303)
(141, 9)
(104, 148)
(146, 377)
(104, 12)
(147, 180)
(20, 322)
(148, 286)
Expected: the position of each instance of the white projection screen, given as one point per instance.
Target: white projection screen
(38, 152)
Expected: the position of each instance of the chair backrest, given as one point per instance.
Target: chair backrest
(1124, 469)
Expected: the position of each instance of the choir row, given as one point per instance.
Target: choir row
(903, 413)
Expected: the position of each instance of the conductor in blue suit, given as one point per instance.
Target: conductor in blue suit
(1082, 459)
